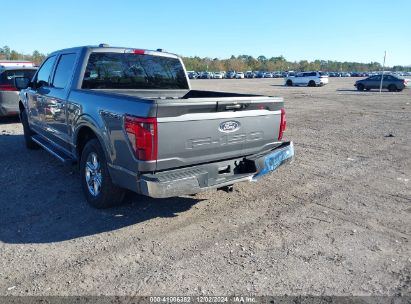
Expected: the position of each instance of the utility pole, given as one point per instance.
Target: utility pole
(382, 75)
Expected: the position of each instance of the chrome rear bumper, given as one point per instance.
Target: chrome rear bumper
(195, 179)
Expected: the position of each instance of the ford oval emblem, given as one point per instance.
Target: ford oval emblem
(229, 126)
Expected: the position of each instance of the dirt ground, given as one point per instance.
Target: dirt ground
(337, 221)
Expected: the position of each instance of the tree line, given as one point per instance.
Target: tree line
(239, 63)
(8, 54)
(262, 63)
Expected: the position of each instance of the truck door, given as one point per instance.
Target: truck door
(39, 88)
(55, 101)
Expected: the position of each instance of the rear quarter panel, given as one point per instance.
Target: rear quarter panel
(104, 114)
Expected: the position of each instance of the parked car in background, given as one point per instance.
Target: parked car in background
(268, 75)
(231, 74)
(249, 74)
(9, 95)
(390, 82)
(192, 75)
(277, 74)
(207, 75)
(218, 75)
(239, 75)
(260, 74)
(311, 79)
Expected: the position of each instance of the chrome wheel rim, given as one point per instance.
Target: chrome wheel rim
(93, 174)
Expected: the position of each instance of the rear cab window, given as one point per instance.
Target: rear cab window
(107, 70)
(7, 76)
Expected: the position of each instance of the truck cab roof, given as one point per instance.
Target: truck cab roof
(112, 49)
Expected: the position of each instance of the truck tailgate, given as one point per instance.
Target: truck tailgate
(202, 130)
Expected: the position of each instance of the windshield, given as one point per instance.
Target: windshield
(133, 71)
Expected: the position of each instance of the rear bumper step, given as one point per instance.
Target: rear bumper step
(196, 179)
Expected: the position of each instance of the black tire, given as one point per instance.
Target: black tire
(289, 83)
(108, 194)
(360, 87)
(28, 133)
(311, 83)
(392, 88)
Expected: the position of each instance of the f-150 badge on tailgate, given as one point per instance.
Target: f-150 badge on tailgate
(229, 126)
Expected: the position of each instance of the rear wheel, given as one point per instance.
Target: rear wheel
(289, 83)
(392, 88)
(96, 182)
(311, 83)
(28, 133)
(360, 87)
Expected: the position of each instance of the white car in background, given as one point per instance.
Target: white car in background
(239, 75)
(311, 79)
(218, 75)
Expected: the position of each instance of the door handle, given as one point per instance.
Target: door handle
(233, 107)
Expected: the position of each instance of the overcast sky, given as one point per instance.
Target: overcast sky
(336, 30)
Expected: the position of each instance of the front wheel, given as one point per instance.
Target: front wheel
(96, 182)
(28, 133)
(289, 83)
(360, 87)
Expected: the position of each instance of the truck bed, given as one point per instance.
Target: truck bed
(190, 124)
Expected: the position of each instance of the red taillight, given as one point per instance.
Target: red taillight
(142, 133)
(283, 124)
(7, 87)
(139, 52)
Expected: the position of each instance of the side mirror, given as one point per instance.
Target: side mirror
(21, 83)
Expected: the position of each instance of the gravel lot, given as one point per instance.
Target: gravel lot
(337, 221)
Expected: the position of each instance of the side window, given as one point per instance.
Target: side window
(43, 74)
(64, 70)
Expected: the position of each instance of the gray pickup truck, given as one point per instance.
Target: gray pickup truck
(129, 118)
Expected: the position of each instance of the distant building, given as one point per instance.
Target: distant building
(13, 63)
